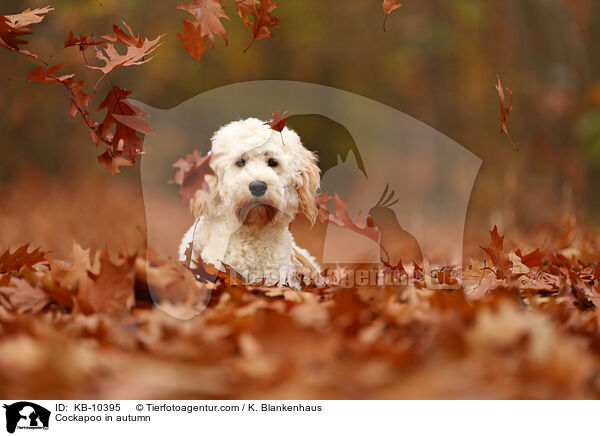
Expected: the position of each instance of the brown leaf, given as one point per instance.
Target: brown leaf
(110, 291)
(342, 218)
(13, 262)
(207, 19)
(14, 27)
(262, 20)
(83, 42)
(79, 98)
(137, 53)
(28, 17)
(190, 173)
(123, 116)
(25, 298)
(533, 259)
(505, 110)
(278, 121)
(582, 293)
(193, 41)
(497, 255)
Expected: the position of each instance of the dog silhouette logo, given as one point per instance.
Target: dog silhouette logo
(26, 415)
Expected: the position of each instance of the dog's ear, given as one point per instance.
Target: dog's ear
(205, 202)
(310, 178)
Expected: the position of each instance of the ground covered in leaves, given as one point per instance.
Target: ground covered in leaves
(94, 325)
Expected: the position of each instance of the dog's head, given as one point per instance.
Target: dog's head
(261, 176)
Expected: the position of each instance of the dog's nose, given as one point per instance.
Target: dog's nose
(257, 188)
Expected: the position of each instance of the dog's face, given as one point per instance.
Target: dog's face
(261, 176)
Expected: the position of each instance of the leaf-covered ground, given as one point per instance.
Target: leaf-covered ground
(81, 323)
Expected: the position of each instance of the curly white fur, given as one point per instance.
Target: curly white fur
(248, 232)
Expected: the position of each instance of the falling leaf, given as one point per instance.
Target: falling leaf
(262, 20)
(278, 121)
(389, 6)
(190, 173)
(505, 110)
(193, 41)
(207, 19)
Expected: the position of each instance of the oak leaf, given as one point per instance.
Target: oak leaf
(14, 27)
(124, 117)
(342, 218)
(533, 259)
(109, 291)
(190, 173)
(21, 257)
(138, 50)
(83, 42)
(262, 20)
(505, 110)
(497, 255)
(207, 18)
(25, 298)
(278, 121)
(193, 41)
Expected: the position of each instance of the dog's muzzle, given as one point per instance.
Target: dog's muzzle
(256, 215)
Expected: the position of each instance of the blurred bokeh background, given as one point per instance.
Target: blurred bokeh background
(437, 62)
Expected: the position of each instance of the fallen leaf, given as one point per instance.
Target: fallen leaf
(497, 255)
(13, 262)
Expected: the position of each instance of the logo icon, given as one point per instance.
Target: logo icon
(26, 415)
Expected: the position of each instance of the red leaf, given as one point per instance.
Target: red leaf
(13, 262)
(83, 42)
(278, 122)
(533, 259)
(193, 41)
(207, 19)
(262, 20)
(121, 115)
(388, 7)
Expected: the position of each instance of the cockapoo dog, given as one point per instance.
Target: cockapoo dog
(262, 180)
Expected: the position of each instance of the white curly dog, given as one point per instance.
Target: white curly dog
(263, 179)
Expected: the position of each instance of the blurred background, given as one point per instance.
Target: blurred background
(437, 62)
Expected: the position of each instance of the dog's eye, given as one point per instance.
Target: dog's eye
(240, 163)
(272, 163)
